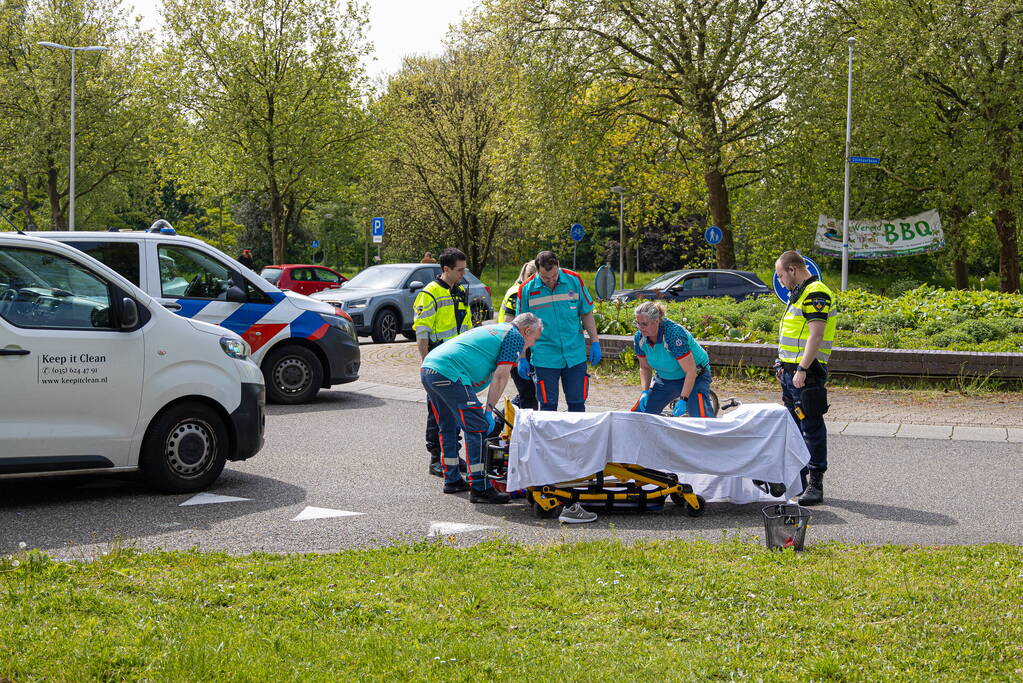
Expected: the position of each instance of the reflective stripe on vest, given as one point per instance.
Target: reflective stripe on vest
(794, 329)
(436, 313)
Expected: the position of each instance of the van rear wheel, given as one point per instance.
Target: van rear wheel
(293, 375)
(185, 449)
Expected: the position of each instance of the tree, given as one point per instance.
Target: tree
(113, 116)
(268, 97)
(436, 168)
(710, 73)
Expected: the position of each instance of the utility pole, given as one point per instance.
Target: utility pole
(848, 145)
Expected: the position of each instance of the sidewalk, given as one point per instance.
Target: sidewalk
(392, 371)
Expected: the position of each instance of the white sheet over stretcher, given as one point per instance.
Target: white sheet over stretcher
(754, 441)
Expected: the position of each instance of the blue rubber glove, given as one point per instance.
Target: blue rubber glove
(490, 421)
(523, 367)
(640, 406)
(595, 353)
(680, 408)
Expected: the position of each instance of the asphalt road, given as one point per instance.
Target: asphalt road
(361, 454)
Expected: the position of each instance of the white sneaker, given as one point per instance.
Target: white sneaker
(576, 514)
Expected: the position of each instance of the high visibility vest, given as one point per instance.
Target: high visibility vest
(510, 301)
(814, 302)
(438, 309)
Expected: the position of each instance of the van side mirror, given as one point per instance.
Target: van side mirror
(129, 314)
(236, 294)
(415, 284)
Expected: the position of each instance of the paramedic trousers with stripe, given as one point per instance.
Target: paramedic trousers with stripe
(664, 391)
(575, 381)
(457, 409)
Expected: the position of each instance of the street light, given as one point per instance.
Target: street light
(620, 191)
(845, 199)
(71, 181)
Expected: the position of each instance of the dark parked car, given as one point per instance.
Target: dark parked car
(679, 285)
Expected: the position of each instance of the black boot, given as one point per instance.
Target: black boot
(814, 493)
(435, 467)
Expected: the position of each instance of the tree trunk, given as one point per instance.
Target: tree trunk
(717, 196)
(630, 262)
(58, 220)
(1004, 219)
(955, 232)
(26, 203)
(278, 229)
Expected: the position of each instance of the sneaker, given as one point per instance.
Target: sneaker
(576, 514)
(456, 486)
(488, 496)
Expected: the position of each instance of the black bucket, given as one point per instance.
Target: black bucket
(785, 526)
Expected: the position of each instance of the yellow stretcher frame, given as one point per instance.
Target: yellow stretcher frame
(619, 484)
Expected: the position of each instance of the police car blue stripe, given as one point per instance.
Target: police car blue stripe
(304, 325)
(191, 307)
(246, 316)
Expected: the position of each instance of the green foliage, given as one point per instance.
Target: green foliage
(925, 317)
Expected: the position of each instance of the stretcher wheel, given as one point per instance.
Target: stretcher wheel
(679, 499)
(548, 514)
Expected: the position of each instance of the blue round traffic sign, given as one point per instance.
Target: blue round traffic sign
(316, 244)
(783, 292)
(576, 232)
(713, 234)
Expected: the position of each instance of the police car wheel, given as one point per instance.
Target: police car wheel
(385, 327)
(185, 449)
(293, 375)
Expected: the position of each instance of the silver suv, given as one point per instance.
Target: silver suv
(379, 299)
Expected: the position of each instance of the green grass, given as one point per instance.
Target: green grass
(497, 611)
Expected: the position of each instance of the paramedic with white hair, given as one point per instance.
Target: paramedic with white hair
(671, 365)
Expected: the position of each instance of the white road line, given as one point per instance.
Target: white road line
(311, 512)
(211, 499)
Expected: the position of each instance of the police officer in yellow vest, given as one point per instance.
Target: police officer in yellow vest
(442, 312)
(805, 339)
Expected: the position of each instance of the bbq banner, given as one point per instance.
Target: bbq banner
(917, 234)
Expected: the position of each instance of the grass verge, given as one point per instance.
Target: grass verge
(498, 611)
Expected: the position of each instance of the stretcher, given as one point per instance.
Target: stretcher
(625, 460)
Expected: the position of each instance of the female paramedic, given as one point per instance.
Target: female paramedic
(676, 364)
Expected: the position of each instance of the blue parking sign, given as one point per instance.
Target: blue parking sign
(378, 227)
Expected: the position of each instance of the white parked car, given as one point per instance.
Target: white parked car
(99, 377)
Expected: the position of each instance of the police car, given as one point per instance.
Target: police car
(302, 345)
(99, 377)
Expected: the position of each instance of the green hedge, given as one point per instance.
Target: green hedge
(921, 318)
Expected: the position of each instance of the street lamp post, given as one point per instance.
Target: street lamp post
(71, 174)
(845, 199)
(620, 191)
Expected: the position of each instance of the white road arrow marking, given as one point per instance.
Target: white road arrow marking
(311, 512)
(211, 499)
(448, 528)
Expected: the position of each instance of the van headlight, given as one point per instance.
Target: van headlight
(340, 323)
(235, 347)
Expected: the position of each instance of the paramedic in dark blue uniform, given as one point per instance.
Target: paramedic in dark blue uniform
(671, 365)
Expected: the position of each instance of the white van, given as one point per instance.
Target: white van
(97, 376)
(302, 345)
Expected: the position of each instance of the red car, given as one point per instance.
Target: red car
(304, 279)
